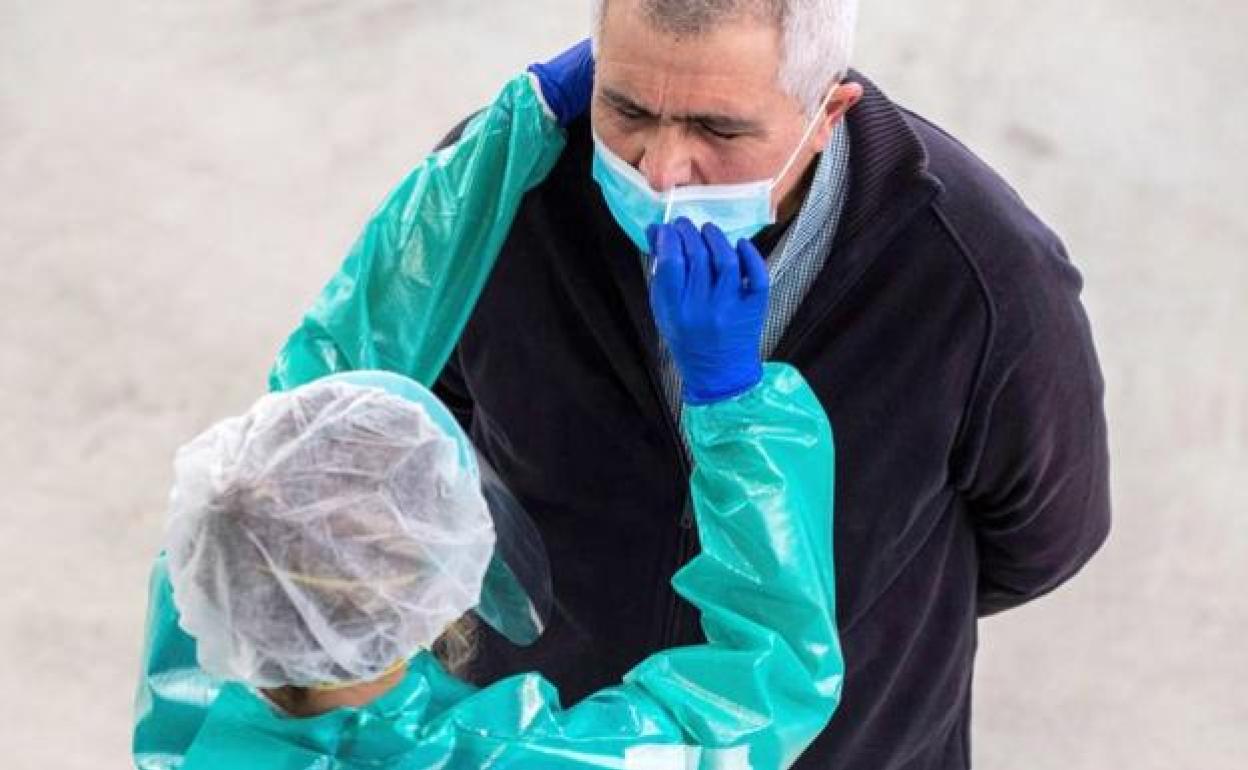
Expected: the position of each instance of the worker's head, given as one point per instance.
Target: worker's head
(327, 534)
(721, 91)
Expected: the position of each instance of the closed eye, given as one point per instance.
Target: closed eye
(719, 133)
(630, 113)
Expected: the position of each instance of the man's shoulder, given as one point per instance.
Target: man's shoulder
(1021, 264)
(982, 213)
(982, 208)
(1018, 264)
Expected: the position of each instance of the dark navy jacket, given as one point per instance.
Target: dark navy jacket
(946, 340)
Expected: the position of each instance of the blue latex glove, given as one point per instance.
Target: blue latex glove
(567, 81)
(710, 302)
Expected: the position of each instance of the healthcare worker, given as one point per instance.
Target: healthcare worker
(754, 695)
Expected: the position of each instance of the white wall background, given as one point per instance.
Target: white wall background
(178, 178)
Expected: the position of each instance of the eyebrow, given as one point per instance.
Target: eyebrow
(718, 122)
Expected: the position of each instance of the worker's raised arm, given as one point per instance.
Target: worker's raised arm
(412, 278)
(769, 676)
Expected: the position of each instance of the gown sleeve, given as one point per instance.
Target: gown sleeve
(405, 291)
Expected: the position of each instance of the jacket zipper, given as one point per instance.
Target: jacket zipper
(685, 522)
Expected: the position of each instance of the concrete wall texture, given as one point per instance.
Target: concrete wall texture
(179, 178)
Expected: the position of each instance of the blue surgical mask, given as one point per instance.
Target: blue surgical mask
(740, 210)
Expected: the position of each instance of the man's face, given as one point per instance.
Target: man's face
(705, 109)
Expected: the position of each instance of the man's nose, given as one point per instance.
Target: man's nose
(666, 161)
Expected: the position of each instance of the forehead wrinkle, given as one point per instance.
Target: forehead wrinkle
(717, 119)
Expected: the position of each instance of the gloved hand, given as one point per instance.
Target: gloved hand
(710, 302)
(567, 81)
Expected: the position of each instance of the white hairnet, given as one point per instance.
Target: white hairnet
(324, 535)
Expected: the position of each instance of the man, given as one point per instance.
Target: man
(935, 317)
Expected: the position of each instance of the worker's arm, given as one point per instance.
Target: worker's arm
(402, 296)
(769, 677)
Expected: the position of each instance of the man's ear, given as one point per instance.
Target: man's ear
(844, 97)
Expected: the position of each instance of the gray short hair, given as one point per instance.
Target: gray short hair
(818, 35)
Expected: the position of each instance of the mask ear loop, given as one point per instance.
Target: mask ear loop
(810, 129)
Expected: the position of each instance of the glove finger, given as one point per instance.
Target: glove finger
(753, 269)
(697, 258)
(726, 269)
(670, 271)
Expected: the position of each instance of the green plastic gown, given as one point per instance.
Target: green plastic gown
(754, 696)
